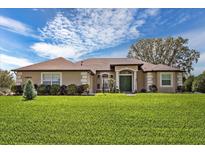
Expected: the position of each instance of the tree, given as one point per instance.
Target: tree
(198, 84)
(6, 79)
(29, 91)
(169, 51)
(188, 83)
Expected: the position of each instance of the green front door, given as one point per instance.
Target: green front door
(125, 83)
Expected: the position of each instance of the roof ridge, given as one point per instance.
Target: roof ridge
(45, 62)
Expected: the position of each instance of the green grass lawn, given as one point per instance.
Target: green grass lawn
(103, 119)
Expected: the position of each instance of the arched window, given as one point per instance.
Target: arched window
(105, 82)
(125, 72)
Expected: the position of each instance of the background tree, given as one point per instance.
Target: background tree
(170, 51)
(188, 83)
(198, 84)
(6, 79)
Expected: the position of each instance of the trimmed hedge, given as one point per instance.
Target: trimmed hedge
(42, 89)
(83, 89)
(72, 89)
(63, 90)
(55, 89)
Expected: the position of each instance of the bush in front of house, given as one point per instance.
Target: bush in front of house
(44, 89)
(180, 89)
(63, 90)
(84, 88)
(143, 90)
(198, 84)
(41, 89)
(153, 88)
(72, 89)
(17, 89)
(36, 86)
(188, 84)
(29, 91)
(55, 89)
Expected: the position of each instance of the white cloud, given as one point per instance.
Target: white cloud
(6, 60)
(15, 26)
(86, 30)
(152, 12)
(52, 51)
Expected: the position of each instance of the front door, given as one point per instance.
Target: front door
(125, 83)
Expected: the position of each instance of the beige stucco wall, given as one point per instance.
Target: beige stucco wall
(167, 89)
(71, 77)
(68, 77)
(75, 77)
(140, 80)
(34, 76)
(156, 81)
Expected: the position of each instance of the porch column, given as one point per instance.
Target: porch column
(117, 80)
(135, 81)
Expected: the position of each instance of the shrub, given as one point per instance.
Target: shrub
(29, 91)
(36, 86)
(153, 88)
(180, 89)
(54, 89)
(198, 84)
(143, 90)
(85, 88)
(48, 89)
(17, 89)
(188, 84)
(72, 89)
(41, 89)
(44, 89)
(63, 90)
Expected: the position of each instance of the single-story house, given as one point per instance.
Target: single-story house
(130, 75)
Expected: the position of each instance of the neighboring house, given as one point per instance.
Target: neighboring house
(130, 75)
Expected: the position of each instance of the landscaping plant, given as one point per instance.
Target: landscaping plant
(72, 89)
(199, 83)
(188, 83)
(55, 89)
(29, 91)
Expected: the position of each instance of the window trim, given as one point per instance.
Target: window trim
(60, 73)
(169, 73)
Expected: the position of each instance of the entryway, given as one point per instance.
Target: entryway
(126, 83)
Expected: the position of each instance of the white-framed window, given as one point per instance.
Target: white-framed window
(50, 78)
(166, 79)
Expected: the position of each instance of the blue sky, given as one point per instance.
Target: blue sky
(32, 35)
